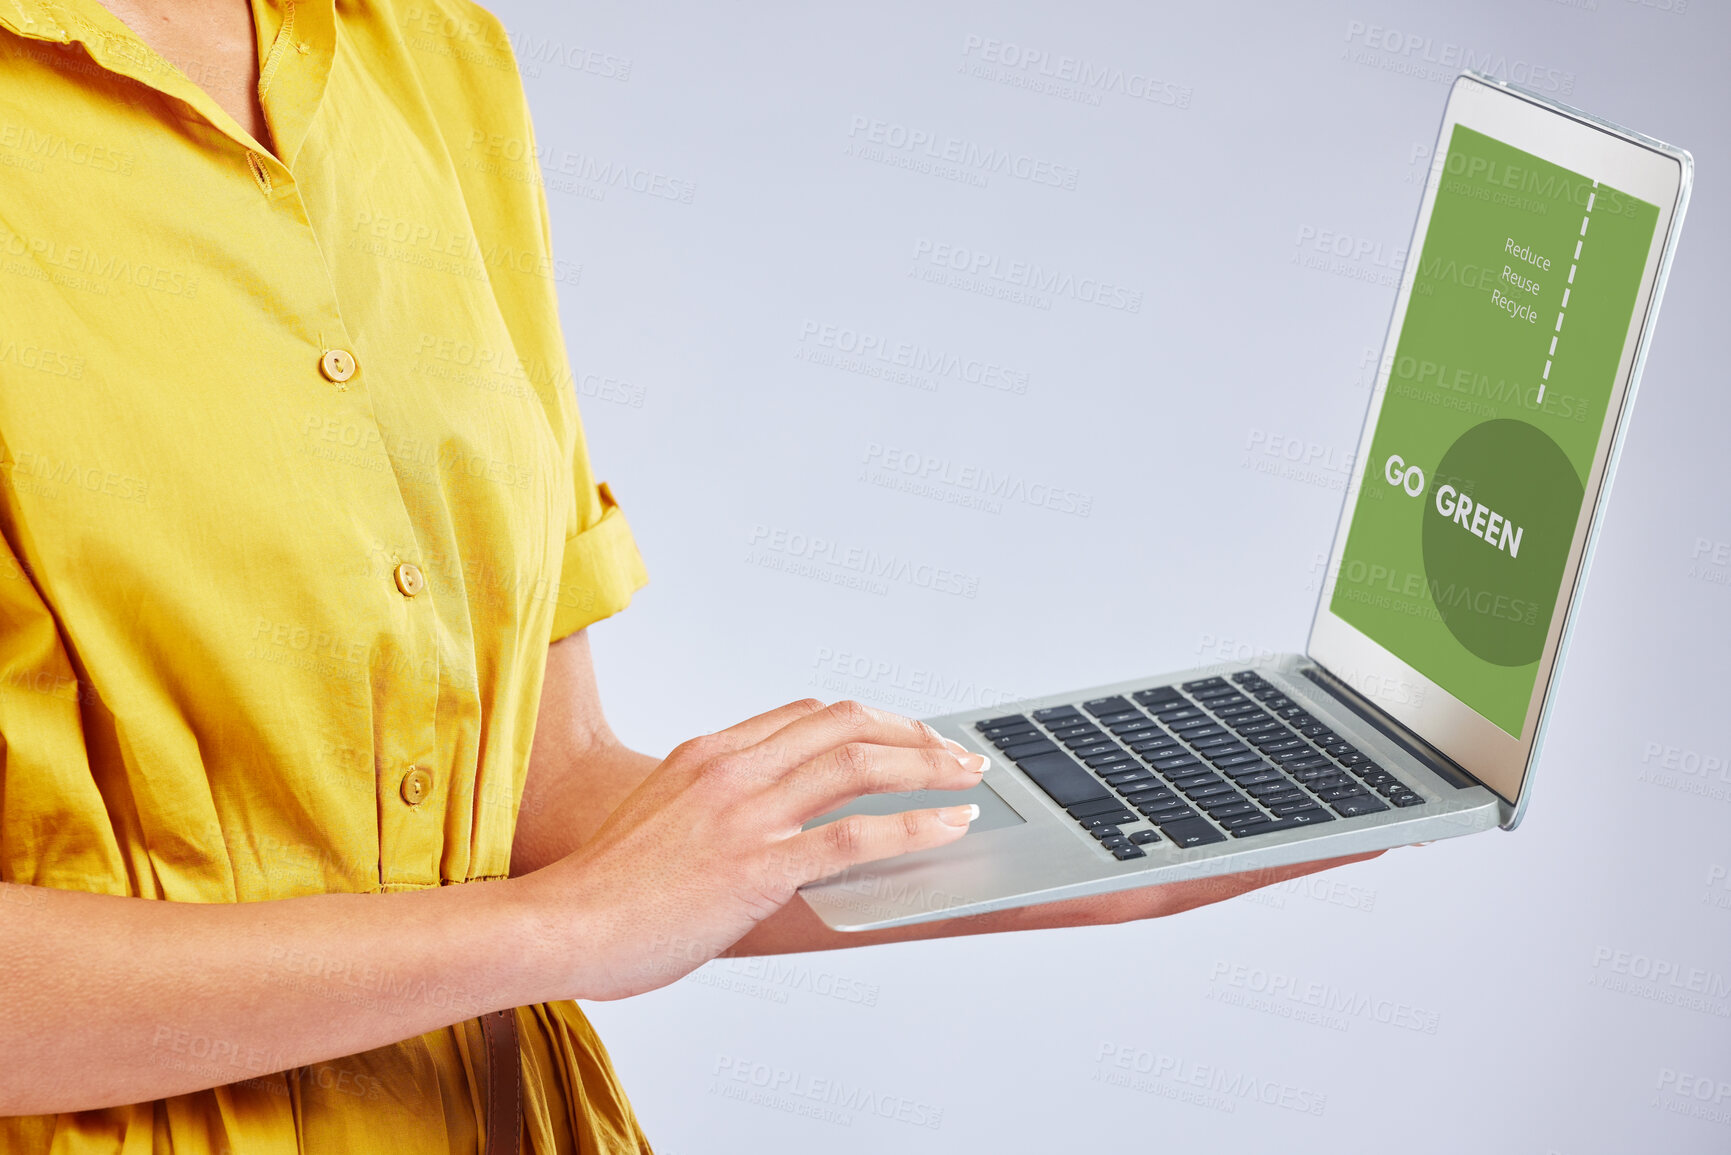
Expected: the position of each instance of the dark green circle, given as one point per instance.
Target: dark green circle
(1497, 602)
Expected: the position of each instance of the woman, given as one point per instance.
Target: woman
(300, 540)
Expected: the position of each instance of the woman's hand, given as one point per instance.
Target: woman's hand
(711, 843)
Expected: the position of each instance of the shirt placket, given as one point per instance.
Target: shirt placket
(411, 781)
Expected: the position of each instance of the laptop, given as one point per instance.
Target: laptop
(1418, 708)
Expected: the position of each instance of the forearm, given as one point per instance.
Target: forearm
(107, 1000)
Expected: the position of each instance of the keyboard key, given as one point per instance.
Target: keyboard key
(1201, 795)
(1129, 780)
(1129, 851)
(1124, 758)
(1113, 705)
(1069, 728)
(1405, 800)
(1330, 781)
(1176, 762)
(1028, 749)
(1162, 813)
(1016, 738)
(1110, 818)
(1105, 832)
(1153, 742)
(1336, 793)
(1203, 684)
(1051, 714)
(1235, 761)
(1121, 718)
(994, 723)
(1284, 799)
(1290, 822)
(1272, 788)
(1221, 809)
(1304, 818)
(993, 733)
(1061, 777)
(1105, 804)
(1340, 749)
(1248, 818)
(1285, 808)
(1115, 843)
(1093, 750)
(1138, 795)
(1364, 804)
(1144, 837)
(1080, 735)
(1141, 724)
(1226, 739)
(1191, 832)
(1256, 775)
(1279, 743)
(1270, 726)
(1201, 776)
(1157, 694)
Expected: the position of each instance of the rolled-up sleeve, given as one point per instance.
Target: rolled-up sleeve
(601, 568)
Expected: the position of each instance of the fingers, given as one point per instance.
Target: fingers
(848, 771)
(754, 730)
(859, 838)
(822, 731)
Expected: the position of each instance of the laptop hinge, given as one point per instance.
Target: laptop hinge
(1435, 760)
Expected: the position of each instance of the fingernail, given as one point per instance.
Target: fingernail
(958, 815)
(973, 763)
(955, 748)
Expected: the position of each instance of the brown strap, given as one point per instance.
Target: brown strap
(504, 1083)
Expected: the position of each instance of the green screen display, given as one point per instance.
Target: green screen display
(1497, 393)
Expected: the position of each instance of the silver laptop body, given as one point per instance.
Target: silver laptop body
(1447, 754)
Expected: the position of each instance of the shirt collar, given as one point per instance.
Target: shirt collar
(294, 60)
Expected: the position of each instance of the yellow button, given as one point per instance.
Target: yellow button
(410, 579)
(417, 784)
(337, 365)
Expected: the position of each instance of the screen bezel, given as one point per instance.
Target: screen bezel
(1656, 173)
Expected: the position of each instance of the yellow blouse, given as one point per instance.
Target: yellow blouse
(293, 497)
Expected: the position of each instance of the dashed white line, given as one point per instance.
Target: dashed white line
(1567, 289)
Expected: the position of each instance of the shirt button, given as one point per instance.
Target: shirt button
(337, 365)
(410, 579)
(417, 784)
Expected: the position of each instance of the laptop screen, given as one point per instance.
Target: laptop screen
(1498, 388)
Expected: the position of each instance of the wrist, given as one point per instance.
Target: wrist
(545, 934)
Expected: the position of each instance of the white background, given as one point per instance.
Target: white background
(1489, 990)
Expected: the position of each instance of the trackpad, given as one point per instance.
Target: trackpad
(995, 813)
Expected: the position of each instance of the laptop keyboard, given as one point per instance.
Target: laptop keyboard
(1200, 762)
